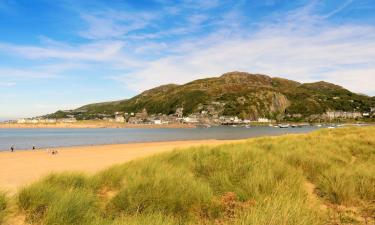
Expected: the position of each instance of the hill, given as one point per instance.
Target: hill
(239, 94)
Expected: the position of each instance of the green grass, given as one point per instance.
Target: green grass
(261, 181)
(3, 206)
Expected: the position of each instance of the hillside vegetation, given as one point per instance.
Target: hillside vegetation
(235, 94)
(325, 177)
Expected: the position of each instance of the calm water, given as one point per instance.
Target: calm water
(42, 138)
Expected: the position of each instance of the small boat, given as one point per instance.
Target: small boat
(283, 125)
(247, 126)
(331, 127)
(319, 125)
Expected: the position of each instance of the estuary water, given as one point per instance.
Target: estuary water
(48, 138)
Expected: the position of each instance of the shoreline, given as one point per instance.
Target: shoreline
(22, 167)
(91, 124)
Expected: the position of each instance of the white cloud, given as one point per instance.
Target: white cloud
(201, 4)
(338, 9)
(343, 54)
(10, 73)
(97, 51)
(114, 24)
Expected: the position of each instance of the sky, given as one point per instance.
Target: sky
(61, 54)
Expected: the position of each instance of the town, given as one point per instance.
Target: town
(203, 118)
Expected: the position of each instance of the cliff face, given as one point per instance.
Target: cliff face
(237, 94)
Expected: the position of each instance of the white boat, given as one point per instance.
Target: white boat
(331, 127)
(283, 125)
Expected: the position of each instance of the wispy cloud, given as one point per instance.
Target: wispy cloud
(338, 9)
(317, 50)
(202, 4)
(115, 24)
(97, 51)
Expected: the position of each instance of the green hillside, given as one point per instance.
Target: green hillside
(235, 94)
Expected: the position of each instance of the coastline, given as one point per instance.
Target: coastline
(22, 167)
(91, 124)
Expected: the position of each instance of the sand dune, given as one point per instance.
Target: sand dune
(22, 167)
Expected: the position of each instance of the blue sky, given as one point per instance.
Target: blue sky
(60, 54)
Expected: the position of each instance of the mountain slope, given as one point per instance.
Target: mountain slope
(235, 94)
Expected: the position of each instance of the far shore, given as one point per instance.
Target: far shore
(106, 124)
(20, 168)
(91, 124)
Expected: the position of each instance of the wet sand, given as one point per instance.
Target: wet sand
(23, 167)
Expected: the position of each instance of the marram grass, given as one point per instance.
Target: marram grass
(3, 206)
(261, 181)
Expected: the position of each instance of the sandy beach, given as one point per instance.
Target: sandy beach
(22, 167)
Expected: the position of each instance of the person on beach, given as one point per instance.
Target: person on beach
(12, 148)
(34, 147)
(54, 152)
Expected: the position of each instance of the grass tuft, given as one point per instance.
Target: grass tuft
(3, 206)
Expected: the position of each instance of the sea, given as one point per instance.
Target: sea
(53, 138)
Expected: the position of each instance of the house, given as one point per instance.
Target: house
(236, 120)
(21, 121)
(342, 114)
(119, 117)
(158, 122)
(143, 115)
(263, 120)
(68, 120)
(34, 121)
(134, 120)
(190, 119)
(179, 112)
(366, 114)
(50, 120)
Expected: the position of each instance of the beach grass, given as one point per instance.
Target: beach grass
(3, 205)
(260, 181)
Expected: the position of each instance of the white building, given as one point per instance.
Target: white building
(263, 120)
(21, 121)
(34, 121)
(68, 120)
(119, 118)
(158, 122)
(190, 120)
